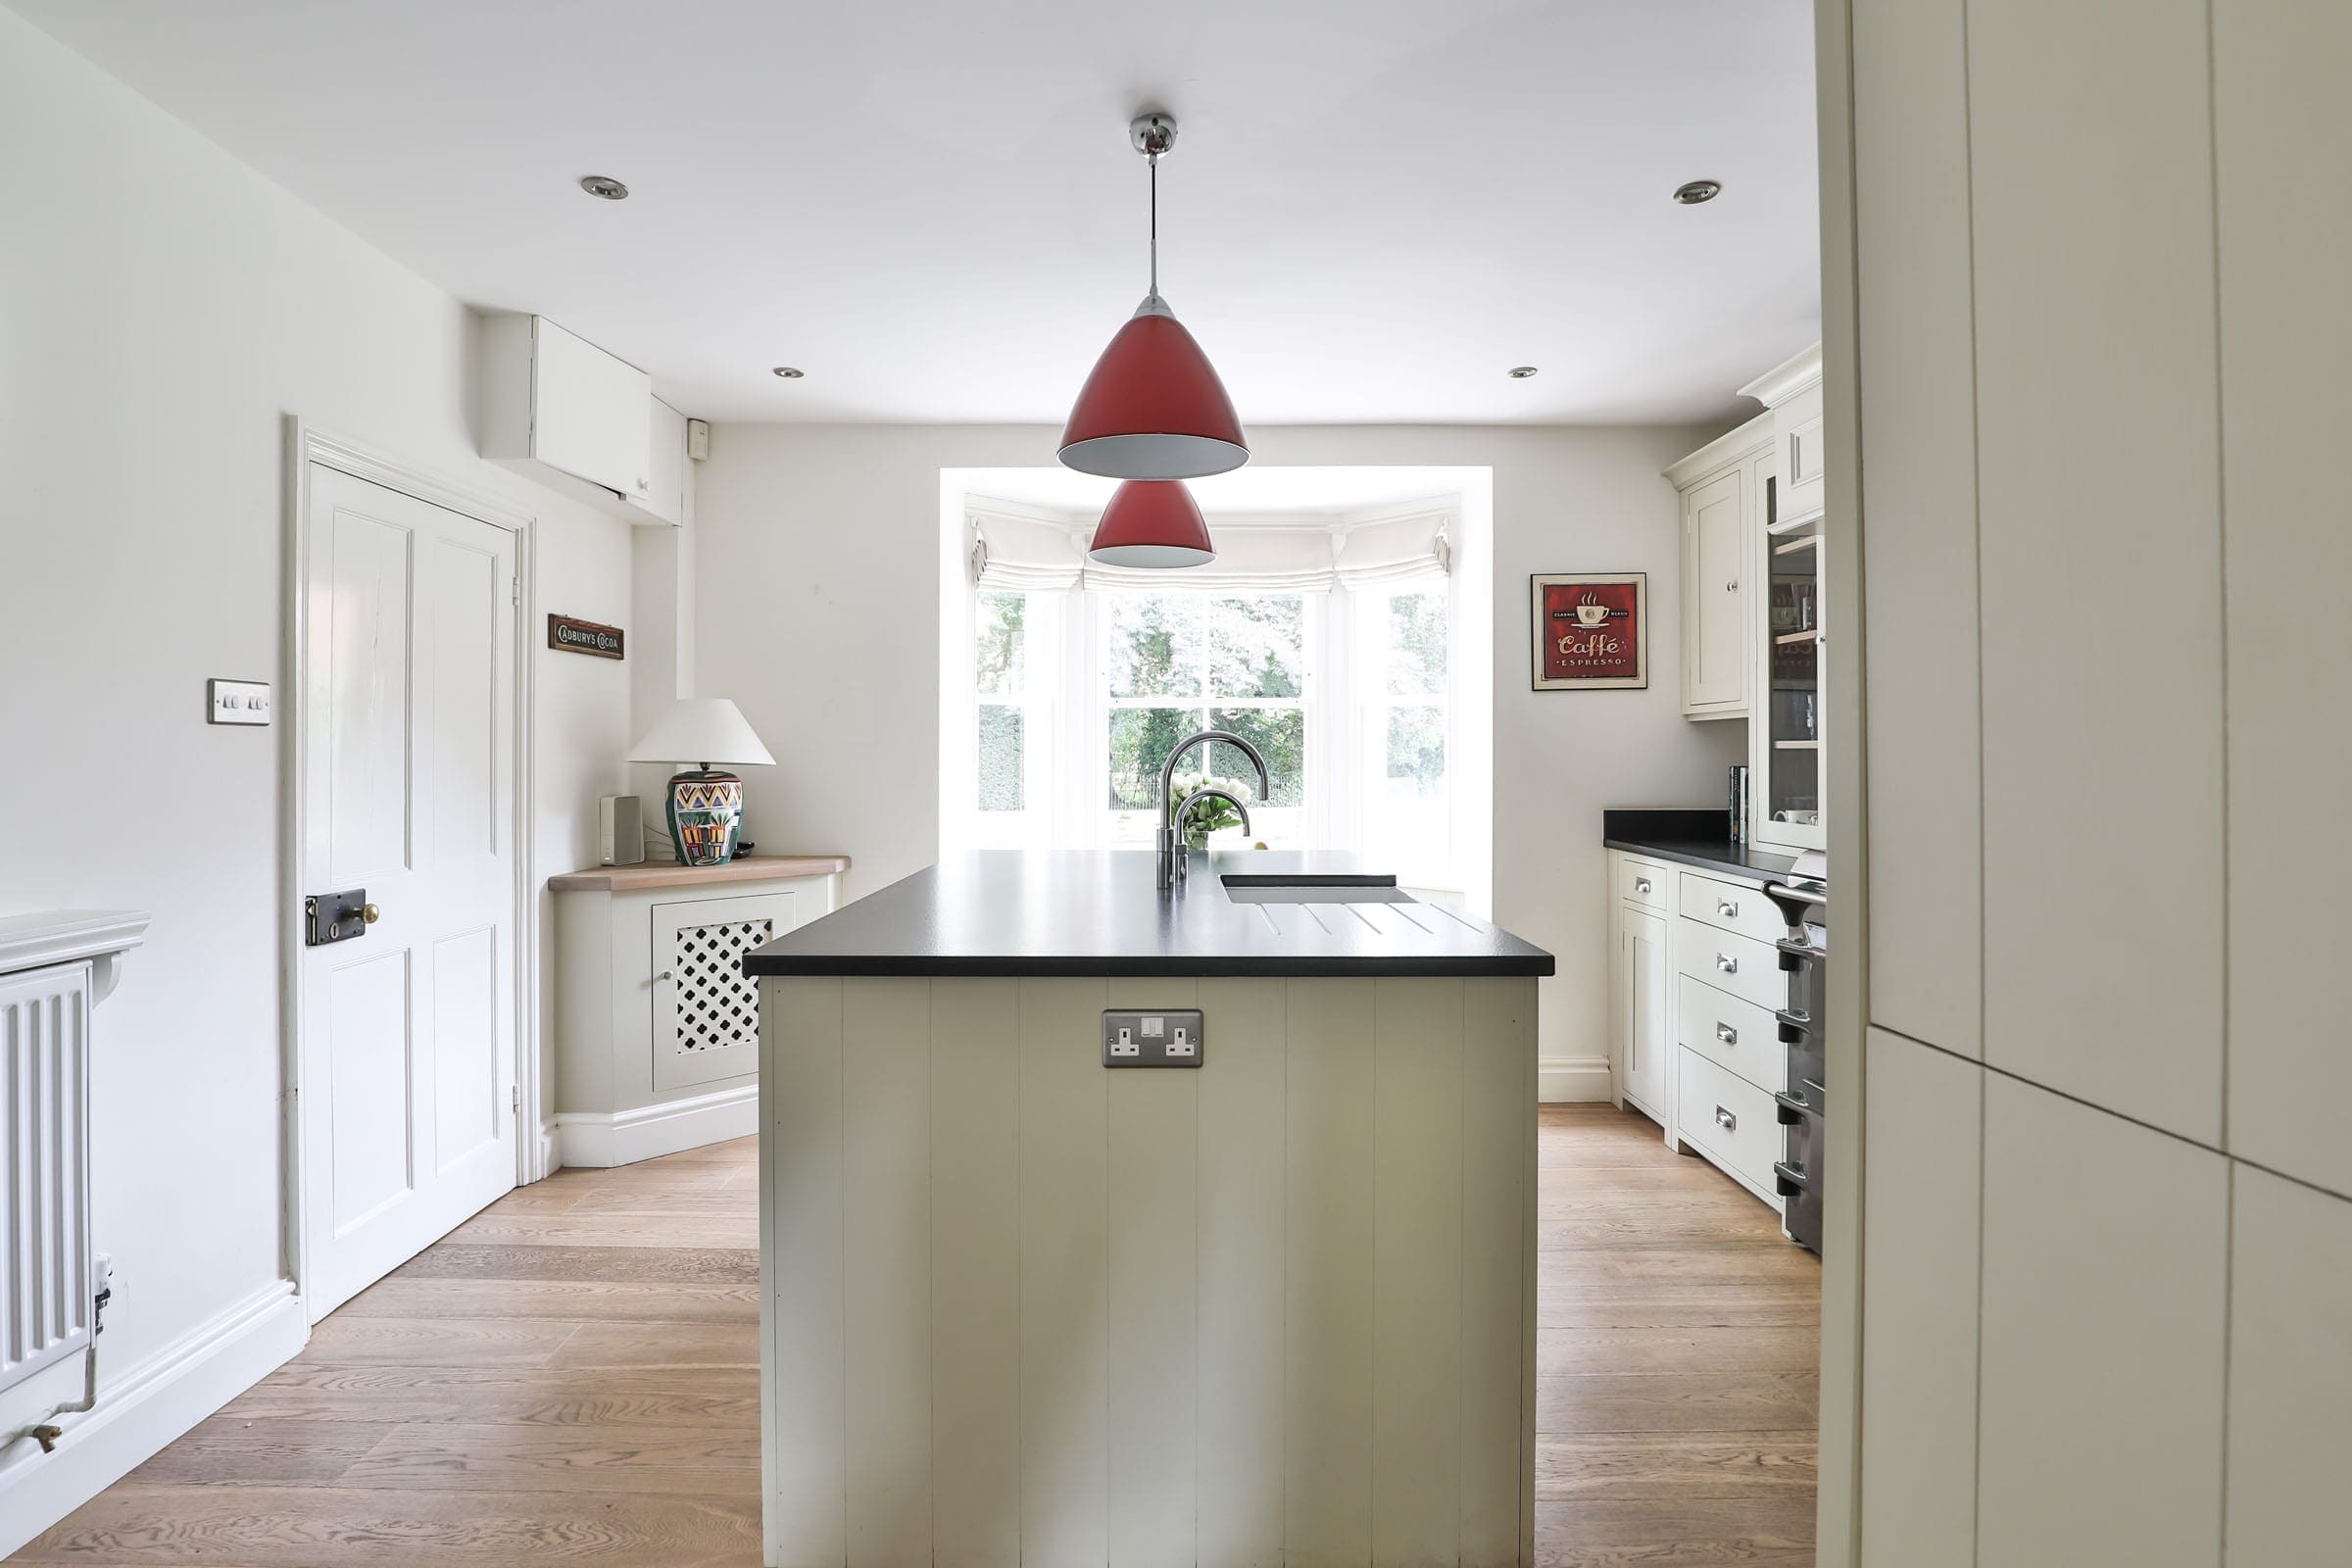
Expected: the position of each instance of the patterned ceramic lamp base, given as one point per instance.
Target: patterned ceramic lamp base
(705, 812)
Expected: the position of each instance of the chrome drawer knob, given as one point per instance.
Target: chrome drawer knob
(1728, 909)
(1726, 1120)
(1641, 884)
(1726, 1033)
(1726, 963)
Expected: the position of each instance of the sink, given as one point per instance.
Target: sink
(1323, 890)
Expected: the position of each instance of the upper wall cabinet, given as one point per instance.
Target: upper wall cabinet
(1721, 486)
(1714, 599)
(552, 398)
(1793, 392)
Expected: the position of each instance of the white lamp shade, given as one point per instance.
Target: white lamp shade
(702, 729)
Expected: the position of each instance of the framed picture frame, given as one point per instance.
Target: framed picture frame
(1589, 631)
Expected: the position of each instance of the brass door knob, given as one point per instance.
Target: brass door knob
(371, 914)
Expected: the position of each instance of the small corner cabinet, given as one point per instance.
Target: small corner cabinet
(657, 1028)
(1753, 647)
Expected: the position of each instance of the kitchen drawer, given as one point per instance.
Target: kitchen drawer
(1733, 907)
(1639, 882)
(1741, 965)
(1732, 1032)
(1731, 1120)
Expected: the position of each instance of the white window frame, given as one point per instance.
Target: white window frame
(1092, 698)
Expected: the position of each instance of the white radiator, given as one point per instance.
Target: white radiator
(45, 1251)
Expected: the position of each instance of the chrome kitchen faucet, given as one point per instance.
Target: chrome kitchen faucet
(1172, 867)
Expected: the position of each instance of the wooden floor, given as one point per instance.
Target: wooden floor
(573, 1377)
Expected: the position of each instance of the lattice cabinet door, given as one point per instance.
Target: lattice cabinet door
(706, 1012)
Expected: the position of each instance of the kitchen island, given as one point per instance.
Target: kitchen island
(1022, 1304)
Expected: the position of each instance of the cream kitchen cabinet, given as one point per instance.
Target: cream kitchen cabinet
(657, 1029)
(1723, 488)
(1641, 993)
(1716, 534)
(1752, 643)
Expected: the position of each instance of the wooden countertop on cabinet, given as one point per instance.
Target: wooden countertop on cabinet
(670, 874)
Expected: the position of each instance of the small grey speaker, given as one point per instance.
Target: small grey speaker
(621, 830)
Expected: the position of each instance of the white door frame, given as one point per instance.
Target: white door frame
(306, 444)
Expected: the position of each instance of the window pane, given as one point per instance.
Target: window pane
(1278, 732)
(1416, 752)
(1140, 739)
(1154, 647)
(1002, 735)
(1000, 641)
(1254, 646)
(1417, 644)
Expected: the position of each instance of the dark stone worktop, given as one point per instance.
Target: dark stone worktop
(1017, 913)
(1693, 836)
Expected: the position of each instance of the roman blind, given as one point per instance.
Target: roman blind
(1029, 555)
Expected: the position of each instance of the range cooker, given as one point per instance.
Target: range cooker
(1804, 1104)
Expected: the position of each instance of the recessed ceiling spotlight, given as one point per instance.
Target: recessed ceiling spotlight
(789, 373)
(1698, 191)
(605, 187)
(1520, 373)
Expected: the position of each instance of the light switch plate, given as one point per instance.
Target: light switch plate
(1167, 1039)
(236, 702)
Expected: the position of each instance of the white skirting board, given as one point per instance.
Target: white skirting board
(145, 1407)
(626, 1137)
(1560, 1079)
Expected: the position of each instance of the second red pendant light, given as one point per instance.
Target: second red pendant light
(1152, 523)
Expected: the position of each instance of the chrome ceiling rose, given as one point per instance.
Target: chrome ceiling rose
(1698, 191)
(604, 186)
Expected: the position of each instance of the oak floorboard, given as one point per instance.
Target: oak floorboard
(572, 1378)
(657, 1265)
(1663, 1466)
(312, 1526)
(714, 1398)
(562, 1300)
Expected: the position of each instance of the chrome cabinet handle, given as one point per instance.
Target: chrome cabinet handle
(1732, 587)
(1726, 1033)
(1727, 909)
(1726, 1120)
(1641, 884)
(1726, 963)
(666, 974)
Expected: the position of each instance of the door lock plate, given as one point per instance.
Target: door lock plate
(334, 917)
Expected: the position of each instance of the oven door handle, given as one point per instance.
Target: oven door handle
(1790, 1179)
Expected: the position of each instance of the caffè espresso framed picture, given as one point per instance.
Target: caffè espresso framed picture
(1591, 630)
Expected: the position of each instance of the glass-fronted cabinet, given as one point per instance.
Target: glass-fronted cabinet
(1784, 767)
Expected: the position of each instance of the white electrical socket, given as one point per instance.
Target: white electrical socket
(1182, 1044)
(1124, 1044)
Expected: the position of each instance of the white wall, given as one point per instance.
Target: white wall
(2107, 1255)
(818, 584)
(162, 309)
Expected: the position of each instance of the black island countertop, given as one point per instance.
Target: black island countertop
(1693, 836)
(1100, 913)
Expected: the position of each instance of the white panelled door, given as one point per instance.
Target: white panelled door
(408, 1030)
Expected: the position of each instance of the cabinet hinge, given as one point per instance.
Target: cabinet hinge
(513, 589)
(514, 1096)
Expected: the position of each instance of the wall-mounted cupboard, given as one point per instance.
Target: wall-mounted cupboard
(1754, 644)
(568, 413)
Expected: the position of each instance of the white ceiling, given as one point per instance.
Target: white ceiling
(1374, 209)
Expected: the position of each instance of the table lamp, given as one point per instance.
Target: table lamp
(706, 807)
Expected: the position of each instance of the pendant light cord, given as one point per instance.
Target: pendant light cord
(1154, 226)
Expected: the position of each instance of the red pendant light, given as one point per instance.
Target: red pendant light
(1152, 523)
(1153, 407)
